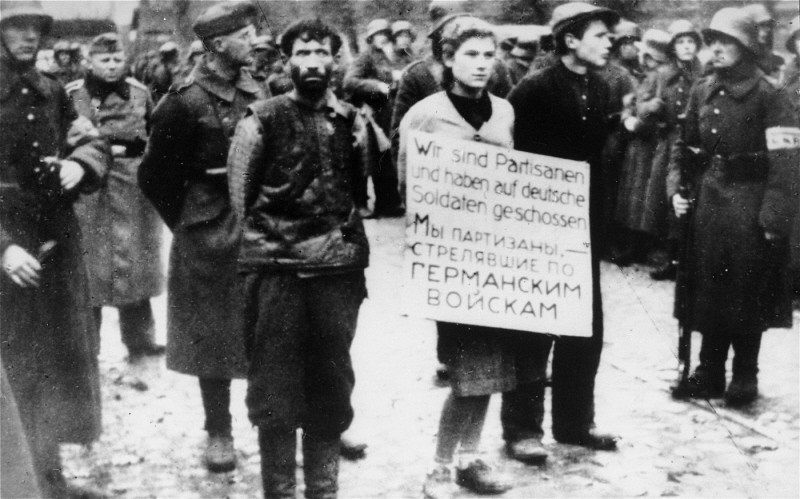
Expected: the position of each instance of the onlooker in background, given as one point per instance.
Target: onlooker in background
(563, 111)
(167, 71)
(670, 86)
(622, 83)
(403, 36)
(504, 48)
(639, 232)
(196, 50)
(769, 62)
(184, 175)
(292, 167)
(479, 361)
(746, 194)
(264, 53)
(146, 62)
(48, 157)
(121, 230)
(521, 57)
(369, 85)
(791, 86)
(547, 53)
(67, 65)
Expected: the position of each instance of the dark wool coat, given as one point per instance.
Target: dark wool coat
(739, 280)
(184, 175)
(121, 229)
(791, 87)
(49, 345)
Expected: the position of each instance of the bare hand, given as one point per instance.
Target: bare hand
(71, 174)
(631, 124)
(680, 204)
(21, 267)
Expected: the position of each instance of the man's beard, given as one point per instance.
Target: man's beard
(313, 89)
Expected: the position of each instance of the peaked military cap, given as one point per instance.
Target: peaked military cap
(107, 43)
(224, 18)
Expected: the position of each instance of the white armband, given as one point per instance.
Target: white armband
(783, 137)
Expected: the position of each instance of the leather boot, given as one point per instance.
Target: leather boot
(278, 449)
(744, 386)
(706, 383)
(321, 466)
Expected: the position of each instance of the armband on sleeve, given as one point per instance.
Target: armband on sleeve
(783, 137)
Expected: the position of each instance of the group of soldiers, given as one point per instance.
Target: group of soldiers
(256, 153)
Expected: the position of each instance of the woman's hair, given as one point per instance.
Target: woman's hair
(454, 34)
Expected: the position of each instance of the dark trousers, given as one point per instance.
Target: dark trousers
(136, 324)
(384, 180)
(746, 346)
(216, 394)
(298, 334)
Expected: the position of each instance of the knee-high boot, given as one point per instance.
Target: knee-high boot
(321, 466)
(278, 449)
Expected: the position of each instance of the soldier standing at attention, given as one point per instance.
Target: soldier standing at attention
(292, 165)
(746, 191)
(121, 230)
(48, 157)
(563, 111)
(184, 175)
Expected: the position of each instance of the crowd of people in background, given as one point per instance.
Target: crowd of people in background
(255, 150)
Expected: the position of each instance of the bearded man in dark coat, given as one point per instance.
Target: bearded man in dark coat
(48, 157)
(748, 137)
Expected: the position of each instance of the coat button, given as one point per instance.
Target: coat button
(35, 144)
(713, 130)
(30, 117)
(679, 103)
(25, 91)
(477, 137)
(722, 92)
(716, 111)
(583, 97)
(680, 90)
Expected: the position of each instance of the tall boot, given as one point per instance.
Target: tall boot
(278, 449)
(708, 380)
(321, 466)
(744, 384)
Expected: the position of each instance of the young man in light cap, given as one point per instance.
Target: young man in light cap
(48, 157)
(745, 188)
(184, 175)
(563, 111)
(292, 165)
(121, 230)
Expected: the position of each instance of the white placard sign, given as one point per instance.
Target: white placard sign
(497, 237)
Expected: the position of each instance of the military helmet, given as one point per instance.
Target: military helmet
(378, 26)
(793, 34)
(61, 46)
(656, 43)
(734, 23)
(758, 13)
(682, 27)
(26, 8)
(106, 43)
(224, 18)
(400, 26)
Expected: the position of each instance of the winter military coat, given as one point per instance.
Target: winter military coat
(746, 185)
(791, 87)
(49, 345)
(184, 175)
(121, 229)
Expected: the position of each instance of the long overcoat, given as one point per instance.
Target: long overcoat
(791, 87)
(49, 345)
(184, 175)
(739, 280)
(121, 229)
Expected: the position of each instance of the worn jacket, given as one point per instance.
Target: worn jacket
(745, 185)
(292, 172)
(122, 231)
(48, 348)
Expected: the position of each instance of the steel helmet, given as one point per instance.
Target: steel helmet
(682, 27)
(400, 26)
(758, 13)
(26, 8)
(655, 43)
(734, 23)
(61, 46)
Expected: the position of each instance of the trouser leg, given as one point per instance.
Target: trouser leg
(278, 466)
(137, 325)
(321, 466)
(575, 363)
(714, 352)
(522, 411)
(216, 395)
(384, 179)
(746, 348)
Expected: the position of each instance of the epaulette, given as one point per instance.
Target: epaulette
(74, 86)
(136, 83)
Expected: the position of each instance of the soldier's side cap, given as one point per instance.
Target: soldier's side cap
(31, 9)
(168, 47)
(736, 24)
(224, 18)
(627, 30)
(655, 43)
(107, 43)
(794, 28)
(436, 31)
(759, 13)
(683, 27)
(566, 15)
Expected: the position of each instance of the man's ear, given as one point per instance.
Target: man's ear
(337, 60)
(571, 41)
(217, 44)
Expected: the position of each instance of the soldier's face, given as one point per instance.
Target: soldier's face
(629, 51)
(109, 67)
(685, 48)
(311, 65)
(402, 40)
(237, 47)
(595, 46)
(379, 40)
(21, 37)
(764, 33)
(725, 53)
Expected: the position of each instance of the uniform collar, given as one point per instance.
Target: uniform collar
(738, 81)
(566, 73)
(222, 88)
(331, 103)
(673, 70)
(100, 89)
(11, 78)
